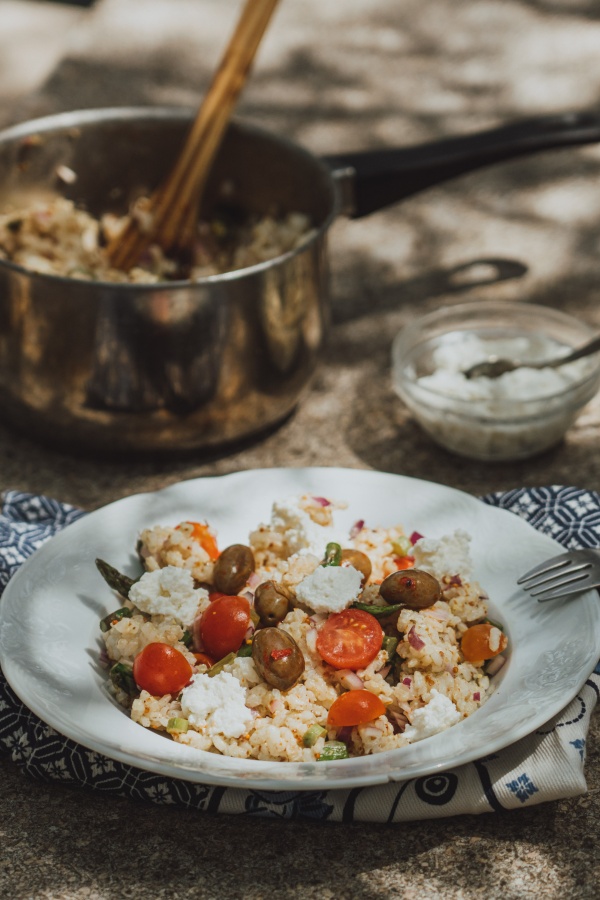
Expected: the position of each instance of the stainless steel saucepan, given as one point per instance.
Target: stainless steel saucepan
(167, 367)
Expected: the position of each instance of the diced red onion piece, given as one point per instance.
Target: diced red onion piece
(249, 595)
(495, 664)
(407, 681)
(476, 696)
(415, 536)
(357, 528)
(350, 680)
(344, 734)
(322, 501)
(385, 671)
(414, 640)
(249, 632)
(253, 580)
(399, 720)
(455, 580)
(311, 640)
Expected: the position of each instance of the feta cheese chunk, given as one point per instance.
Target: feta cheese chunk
(330, 589)
(168, 592)
(302, 535)
(440, 713)
(448, 555)
(217, 705)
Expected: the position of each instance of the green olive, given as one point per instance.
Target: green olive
(233, 568)
(412, 588)
(277, 657)
(271, 602)
(360, 561)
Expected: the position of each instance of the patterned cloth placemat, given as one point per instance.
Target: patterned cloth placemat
(546, 765)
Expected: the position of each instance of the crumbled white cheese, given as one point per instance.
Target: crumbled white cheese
(217, 705)
(448, 555)
(302, 535)
(494, 639)
(330, 589)
(168, 592)
(440, 713)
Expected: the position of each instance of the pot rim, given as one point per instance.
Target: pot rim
(76, 118)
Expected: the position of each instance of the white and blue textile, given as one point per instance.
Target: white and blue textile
(546, 765)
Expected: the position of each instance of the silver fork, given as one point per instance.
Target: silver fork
(565, 574)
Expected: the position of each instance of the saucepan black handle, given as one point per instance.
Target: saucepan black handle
(377, 178)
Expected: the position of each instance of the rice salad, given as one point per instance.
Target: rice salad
(304, 643)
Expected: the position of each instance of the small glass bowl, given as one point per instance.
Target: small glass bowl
(493, 419)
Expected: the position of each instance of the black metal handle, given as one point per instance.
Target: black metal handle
(382, 177)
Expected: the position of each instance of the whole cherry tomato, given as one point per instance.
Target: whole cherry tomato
(161, 669)
(223, 625)
(355, 708)
(475, 643)
(350, 639)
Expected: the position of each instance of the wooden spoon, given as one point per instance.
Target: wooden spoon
(170, 214)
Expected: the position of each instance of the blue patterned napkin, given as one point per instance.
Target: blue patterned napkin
(546, 765)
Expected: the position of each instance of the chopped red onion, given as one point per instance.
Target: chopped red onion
(476, 696)
(311, 640)
(350, 680)
(249, 632)
(415, 536)
(344, 734)
(249, 595)
(414, 640)
(322, 501)
(103, 658)
(253, 580)
(357, 528)
(495, 664)
(384, 672)
(407, 681)
(455, 579)
(398, 719)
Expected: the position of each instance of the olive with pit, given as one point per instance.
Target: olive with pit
(277, 657)
(359, 561)
(271, 602)
(233, 568)
(412, 588)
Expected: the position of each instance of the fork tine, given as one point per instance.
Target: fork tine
(576, 587)
(550, 565)
(576, 578)
(554, 575)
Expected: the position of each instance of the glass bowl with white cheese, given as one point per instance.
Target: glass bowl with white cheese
(513, 416)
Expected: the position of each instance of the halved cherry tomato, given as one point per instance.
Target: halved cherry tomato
(355, 708)
(202, 533)
(475, 643)
(404, 562)
(350, 639)
(161, 669)
(203, 659)
(223, 625)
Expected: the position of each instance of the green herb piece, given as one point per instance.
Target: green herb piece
(108, 621)
(333, 555)
(333, 750)
(187, 638)
(115, 579)
(220, 665)
(380, 612)
(121, 676)
(177, 726)
(495, 625)
(389, 645)
(313, 734)
(245, 650)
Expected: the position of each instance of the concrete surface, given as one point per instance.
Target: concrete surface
(342, 76)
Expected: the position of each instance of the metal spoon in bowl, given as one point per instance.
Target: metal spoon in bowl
(495, 366)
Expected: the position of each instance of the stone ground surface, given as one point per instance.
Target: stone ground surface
(335, 77)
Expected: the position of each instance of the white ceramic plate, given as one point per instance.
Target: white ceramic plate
(50, 639)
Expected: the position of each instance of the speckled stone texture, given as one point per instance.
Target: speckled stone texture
(338, 76)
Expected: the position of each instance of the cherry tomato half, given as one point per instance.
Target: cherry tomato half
(350, 639)
(355, 708)
(161, 669)
(203, 659)
(475, 643)
(223, 625)
(205, 537)
(404, 562)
